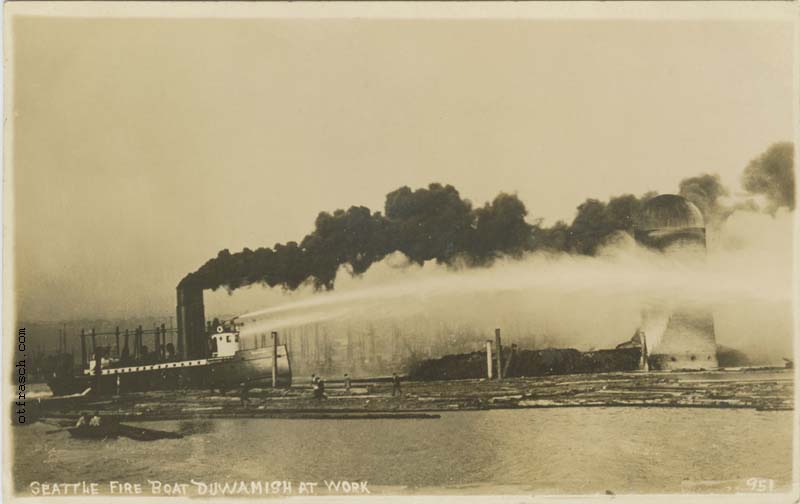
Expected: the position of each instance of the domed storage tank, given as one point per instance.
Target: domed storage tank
(669, 220)
(681, 338)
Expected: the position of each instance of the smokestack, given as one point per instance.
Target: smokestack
(191, 323)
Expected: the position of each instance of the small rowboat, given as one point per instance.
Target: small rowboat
(90, 432)
(114, 431)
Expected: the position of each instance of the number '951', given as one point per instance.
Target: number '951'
(761, 484)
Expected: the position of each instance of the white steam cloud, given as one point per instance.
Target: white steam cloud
(570, 300)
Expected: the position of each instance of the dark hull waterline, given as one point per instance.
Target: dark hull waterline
(245, 366)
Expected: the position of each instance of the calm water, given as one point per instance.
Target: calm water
(569, 450)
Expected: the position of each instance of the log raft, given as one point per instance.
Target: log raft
(764, 390)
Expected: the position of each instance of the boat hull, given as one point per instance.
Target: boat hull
(252, 367)
(92, 433)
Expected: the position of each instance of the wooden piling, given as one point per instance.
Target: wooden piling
(83, 348)
(126, 349)
(94, 342)
(156, 341)
(162, 351)
(489, 359)
(98, 370)
(116, 345)
(274, 359)
(499, 349)
(645, 365)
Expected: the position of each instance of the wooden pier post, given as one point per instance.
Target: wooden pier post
(489, 359)
(139, 341)
(94, 342)
(116, 345)
(156, 342)
(98, 370)
(162, 351)
(83, 348)
(274, 359)
(126, 350)
(499, 349)
(645, 364)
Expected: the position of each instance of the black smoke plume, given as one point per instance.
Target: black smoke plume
(706, 191)
(432, 223)
(772, 175)
(436, 223)
(597, 221)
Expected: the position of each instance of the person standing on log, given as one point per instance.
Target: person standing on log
(95, 421)
(319, 390)
(395, 385)
(83, 421)
(245, 395)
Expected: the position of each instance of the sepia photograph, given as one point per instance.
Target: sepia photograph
(448, 250)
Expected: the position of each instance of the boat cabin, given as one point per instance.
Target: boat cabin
(224, 340)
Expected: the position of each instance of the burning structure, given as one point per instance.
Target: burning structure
(680, 337)
(670, 337)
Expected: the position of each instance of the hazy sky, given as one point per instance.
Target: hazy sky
(143, 147)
